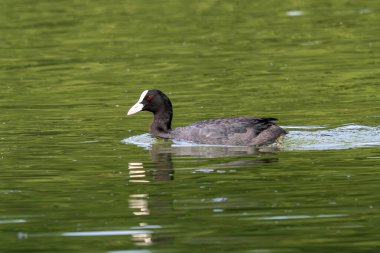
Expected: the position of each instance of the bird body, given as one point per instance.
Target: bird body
(235, 131)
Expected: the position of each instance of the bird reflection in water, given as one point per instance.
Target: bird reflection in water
(161, 157)
(161, 169)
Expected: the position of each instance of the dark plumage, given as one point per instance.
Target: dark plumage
(237, 131)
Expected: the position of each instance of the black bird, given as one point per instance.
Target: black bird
(236, 131)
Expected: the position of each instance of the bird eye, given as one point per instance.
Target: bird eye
(149, 98)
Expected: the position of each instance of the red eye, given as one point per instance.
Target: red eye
(149, 98)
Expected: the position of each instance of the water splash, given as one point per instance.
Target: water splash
(143, 140)
(343, 137)
(299, 138)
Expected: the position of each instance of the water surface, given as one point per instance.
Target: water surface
(70, 70)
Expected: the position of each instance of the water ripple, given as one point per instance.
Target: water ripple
(299, 138)
(344, 137)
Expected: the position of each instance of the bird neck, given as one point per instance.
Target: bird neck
(161, 125)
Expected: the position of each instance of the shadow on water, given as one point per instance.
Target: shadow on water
(161, 156)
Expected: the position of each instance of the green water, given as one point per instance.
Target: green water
(70, 70)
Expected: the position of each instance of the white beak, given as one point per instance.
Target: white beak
(138, 106)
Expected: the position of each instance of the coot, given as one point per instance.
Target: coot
(236, 131)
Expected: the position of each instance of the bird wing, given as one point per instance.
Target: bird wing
(226, 131)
